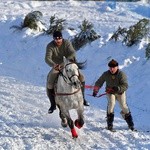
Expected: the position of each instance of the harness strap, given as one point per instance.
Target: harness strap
(64, 94)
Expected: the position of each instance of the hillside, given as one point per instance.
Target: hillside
(24, 122)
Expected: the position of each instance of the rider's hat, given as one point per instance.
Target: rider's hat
(57, 34)
(113, 63)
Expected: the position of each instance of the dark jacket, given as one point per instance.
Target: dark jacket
(118, 79)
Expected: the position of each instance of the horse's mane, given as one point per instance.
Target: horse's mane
(81, 65)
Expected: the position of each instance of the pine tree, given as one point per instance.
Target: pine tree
(86, 35)
(55, 24)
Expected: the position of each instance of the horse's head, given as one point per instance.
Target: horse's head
(71, 71)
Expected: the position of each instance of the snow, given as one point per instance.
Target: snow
(24, 122)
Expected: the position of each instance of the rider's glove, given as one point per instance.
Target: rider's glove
(94, 93)
(57, 67)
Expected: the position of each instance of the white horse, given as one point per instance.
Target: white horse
(68, 95)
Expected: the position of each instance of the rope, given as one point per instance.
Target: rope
(64, 94)
(98, 95)
(96, 87)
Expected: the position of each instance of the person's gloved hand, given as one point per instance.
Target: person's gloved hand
(115, 88)
(94, 93)
(57, 67)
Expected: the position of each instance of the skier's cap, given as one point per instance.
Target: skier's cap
(113, 63)
(57, 34)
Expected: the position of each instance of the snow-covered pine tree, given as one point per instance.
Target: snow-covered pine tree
(86, 35)
(147, 51)
(56, 24)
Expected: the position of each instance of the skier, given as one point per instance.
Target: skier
(116, 86)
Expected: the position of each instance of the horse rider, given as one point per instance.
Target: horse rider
(116, 86)
(55, 51)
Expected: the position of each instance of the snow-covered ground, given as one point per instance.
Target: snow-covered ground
(24, 122)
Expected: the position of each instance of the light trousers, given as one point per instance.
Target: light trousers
(121, 98)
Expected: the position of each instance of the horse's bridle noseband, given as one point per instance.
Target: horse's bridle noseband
(65, 77)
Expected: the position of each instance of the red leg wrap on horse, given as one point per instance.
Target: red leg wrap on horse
(74, 133)
(77, 124)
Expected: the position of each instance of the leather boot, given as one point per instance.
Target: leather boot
(83, 89)
(50, 94)
(110, 119)
(129, 120)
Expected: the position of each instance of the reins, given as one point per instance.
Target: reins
(64, 77)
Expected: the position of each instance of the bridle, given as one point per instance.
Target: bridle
(65, 77)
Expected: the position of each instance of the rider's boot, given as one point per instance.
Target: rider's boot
(129, 121)
(50, 94)
(110, 119)
(83, 89)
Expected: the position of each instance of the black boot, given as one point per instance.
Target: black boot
(83, 89)
(110, 119)
(50, 94)
(129, 121)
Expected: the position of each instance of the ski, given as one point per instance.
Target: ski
(115, 130)
(111, 130)
(146, 131)
(134, 130)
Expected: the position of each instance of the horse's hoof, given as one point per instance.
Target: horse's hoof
(64, 123)
(75, 137)
(77, 124)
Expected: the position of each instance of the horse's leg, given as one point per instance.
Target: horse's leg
(63, 119)
(80, 121)
(71, 125)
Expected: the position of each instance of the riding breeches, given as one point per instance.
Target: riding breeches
(122, 102)
(53, 75)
